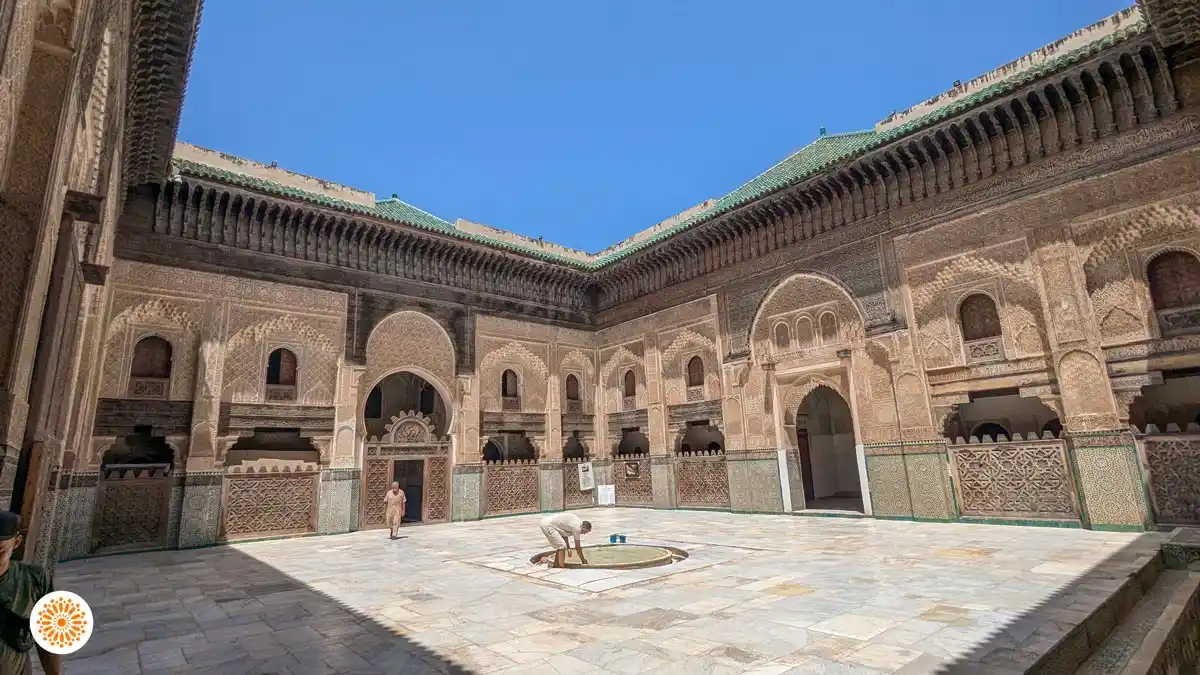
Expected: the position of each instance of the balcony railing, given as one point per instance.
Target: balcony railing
(1179, 320)
(574, 406)
(280, 392)
(987, 349)
(695, 394)
(511, 403)
(155, 388)
(628, 403)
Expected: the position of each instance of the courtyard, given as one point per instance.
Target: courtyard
(758, 594)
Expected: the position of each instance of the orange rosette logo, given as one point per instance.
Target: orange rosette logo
(61, 622)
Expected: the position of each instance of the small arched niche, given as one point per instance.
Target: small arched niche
(150, 370)
(571, 391)
(510, 390)
(281, 375)
(1174, 280)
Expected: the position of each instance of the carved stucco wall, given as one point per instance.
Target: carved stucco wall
(1115, 251)
(254, 318)
(1002, 272)
(681, 347)
(526, 359)
(409, 341)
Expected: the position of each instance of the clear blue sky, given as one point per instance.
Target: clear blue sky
(579, 122)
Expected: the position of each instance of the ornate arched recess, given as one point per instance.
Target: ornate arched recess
(577, 363)
(1087, 397)
(792, 395)
(176, 323)
(674, 359)
(612, 374)
(247, 351)
(1115, 255)
(800, 299)
(1001, 272)
(532, 374)
(409, 341)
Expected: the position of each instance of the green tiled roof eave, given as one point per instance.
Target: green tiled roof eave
(877, 140)
(815, 158)
(392, 210)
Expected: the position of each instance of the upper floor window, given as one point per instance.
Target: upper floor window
(426, 398)
(281, 368)
(695, 372)
(374, 407)
(979, 318)
(828, 323)
(509, 385)
(1174, 280)
(783, 337)
(572, 388)
(630, 383)
(152, 358)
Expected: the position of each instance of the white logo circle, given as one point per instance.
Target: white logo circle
(61, 622)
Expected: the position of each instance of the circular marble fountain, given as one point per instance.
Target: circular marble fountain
(619, 557)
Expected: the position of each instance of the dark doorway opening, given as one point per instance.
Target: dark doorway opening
(410, 474)
(806, 471)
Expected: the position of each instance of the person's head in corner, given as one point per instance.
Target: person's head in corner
(395, 486)
(10, 535)
(585, 527)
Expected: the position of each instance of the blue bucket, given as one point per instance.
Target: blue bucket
(621, 538)
(612, 538)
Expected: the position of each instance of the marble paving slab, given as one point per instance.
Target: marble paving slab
(758, 595)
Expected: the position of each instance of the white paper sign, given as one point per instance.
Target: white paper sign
(587, 480)
(607, 494)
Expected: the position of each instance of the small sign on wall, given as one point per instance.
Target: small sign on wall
(587, 480)
(632, 469)
(606, 495)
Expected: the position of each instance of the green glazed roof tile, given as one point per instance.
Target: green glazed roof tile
(814, 158)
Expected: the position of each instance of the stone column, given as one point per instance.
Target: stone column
(467, 481)
(200, 516)
(1103, 454)
(338, 500)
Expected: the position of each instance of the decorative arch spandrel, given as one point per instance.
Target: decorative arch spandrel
(801, 292)
(410, 341)
(532, 374)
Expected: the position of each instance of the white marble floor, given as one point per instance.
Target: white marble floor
(759, 595)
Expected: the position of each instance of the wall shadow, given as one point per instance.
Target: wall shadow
(1059, 633)
(219, 610)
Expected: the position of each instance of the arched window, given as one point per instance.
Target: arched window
(152, 358)
(979, 317)
(829, 332)
(426, 398)
(373, 410)
(509, 385)
(1054, 427)
(990, 430)
(281, 367)
(630, 384)
(572, 388)
(695, 371)
(1174, 280)
(783, 337)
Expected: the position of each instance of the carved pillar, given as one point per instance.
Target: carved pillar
(1104, 455)
(552, 443)
(200, 517)
(206, 401)
(346, 452)
(468, 473)
(735, 382)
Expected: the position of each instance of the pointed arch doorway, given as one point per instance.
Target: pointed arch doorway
(826, 453)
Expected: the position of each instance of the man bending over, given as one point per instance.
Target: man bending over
(559, 528)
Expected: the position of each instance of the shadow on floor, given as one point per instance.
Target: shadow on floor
(1058, 634)
(220, 611)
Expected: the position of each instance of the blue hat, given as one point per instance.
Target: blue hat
(10, 525)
